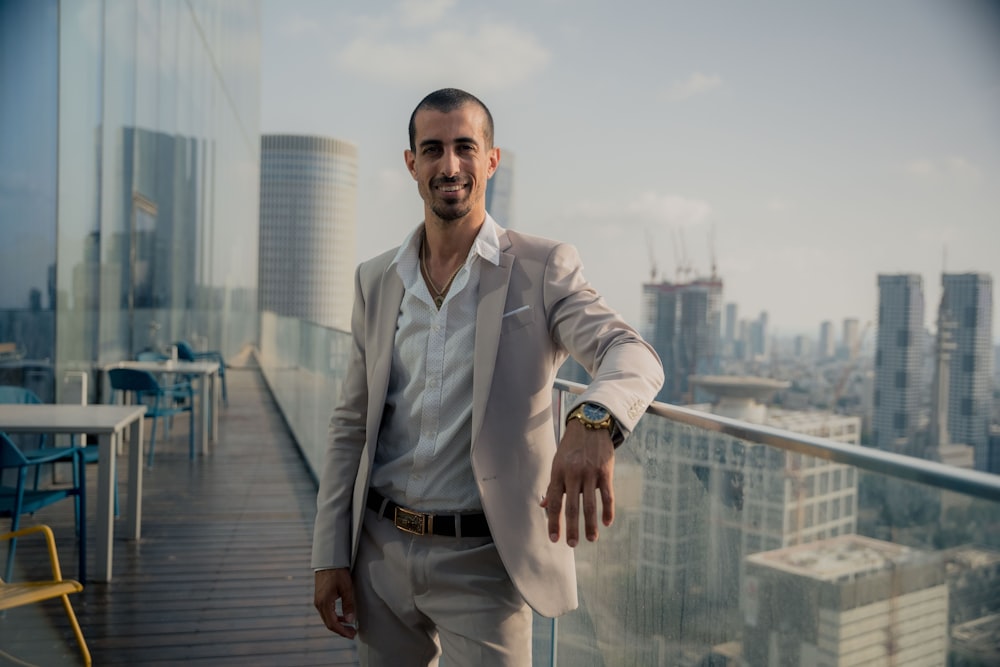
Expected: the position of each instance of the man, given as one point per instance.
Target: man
(440, 505)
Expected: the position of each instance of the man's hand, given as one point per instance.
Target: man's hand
(333, 585)
(584, 464)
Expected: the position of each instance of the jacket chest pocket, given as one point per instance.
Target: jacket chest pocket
(516, 319)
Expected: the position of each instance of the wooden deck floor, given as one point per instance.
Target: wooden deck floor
(221, 575)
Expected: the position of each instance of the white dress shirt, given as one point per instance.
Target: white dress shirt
(423, 460)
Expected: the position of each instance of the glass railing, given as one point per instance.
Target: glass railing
(741, 544)
(304, 365)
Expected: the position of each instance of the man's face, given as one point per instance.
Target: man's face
(452, 162)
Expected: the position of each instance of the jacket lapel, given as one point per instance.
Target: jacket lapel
(390, 296)
(493, 282)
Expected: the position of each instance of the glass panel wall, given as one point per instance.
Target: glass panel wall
(304, 365)
(156, 175)
(29, 81)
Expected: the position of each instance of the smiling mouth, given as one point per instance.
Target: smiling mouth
(450, 188)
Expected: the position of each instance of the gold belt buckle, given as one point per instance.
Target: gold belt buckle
(408, 521)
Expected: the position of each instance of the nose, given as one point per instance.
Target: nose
(450, 164)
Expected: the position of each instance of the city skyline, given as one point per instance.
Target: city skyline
(813, 147)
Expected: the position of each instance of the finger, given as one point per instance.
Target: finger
(349, 619)
(590, 508)
(608, 501)
(552, 502)
(346, 631)
(572, 516)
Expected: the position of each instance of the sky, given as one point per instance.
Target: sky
(801, 148)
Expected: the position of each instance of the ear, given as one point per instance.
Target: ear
(411, 162)
(494, 160)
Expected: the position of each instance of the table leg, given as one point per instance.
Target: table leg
(135, 468)
(107, 444)
(205, 401)
(215, 406)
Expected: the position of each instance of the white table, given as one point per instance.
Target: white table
(206, 371)
(108, 423)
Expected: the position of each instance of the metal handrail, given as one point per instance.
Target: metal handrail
(932, 473)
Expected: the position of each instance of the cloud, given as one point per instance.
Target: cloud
(667, 209)
(491, 57)
(694, 85)
(650, 211)
(779, 205)
(962, 169)
(415, 13)
(919, 167)
(954, 168)
(297, 26)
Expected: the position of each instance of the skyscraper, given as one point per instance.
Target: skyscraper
(308, 219)
(898, 361)
(758, 336)
(826, 342)
(500, 191)
(968, 300)
(731, 328)
(682, 322)
(850, 345)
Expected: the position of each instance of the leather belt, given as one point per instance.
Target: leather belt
(419, 523)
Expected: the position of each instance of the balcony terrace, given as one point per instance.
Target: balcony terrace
(734, 544)
(221, 575)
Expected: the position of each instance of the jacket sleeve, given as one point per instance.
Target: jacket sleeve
(626, 371)
(346, 441)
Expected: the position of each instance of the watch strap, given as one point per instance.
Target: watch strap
(615, 430)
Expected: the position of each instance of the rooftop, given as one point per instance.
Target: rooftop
(831, 559)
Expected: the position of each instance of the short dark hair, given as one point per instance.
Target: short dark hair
(449, 99)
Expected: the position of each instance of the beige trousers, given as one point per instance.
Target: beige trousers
(430, 600)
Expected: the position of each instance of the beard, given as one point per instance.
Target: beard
(451, 211)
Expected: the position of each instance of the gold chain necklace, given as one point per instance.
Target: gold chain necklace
(439, 294)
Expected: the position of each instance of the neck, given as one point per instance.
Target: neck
(448, 242)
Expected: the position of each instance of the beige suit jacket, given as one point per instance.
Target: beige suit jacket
(534, 308)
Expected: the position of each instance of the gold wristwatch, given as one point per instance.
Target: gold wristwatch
(594, 417)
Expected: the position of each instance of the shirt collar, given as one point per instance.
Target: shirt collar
(486, 245)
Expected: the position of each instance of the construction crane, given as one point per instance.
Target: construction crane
(851, 364)
(652, 257)
(711, 250)
(684, 268)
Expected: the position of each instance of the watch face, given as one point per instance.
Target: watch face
(594, 413)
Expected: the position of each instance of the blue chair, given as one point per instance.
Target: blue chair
(39, 449)
(151, 355)
(20, 396)
(186, 353)
(160, 400)
(18, 499)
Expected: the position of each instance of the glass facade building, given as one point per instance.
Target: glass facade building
(308, 219)
(898, 361)
(968, 299)
(129, 171)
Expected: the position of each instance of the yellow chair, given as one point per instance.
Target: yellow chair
(20, 594)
